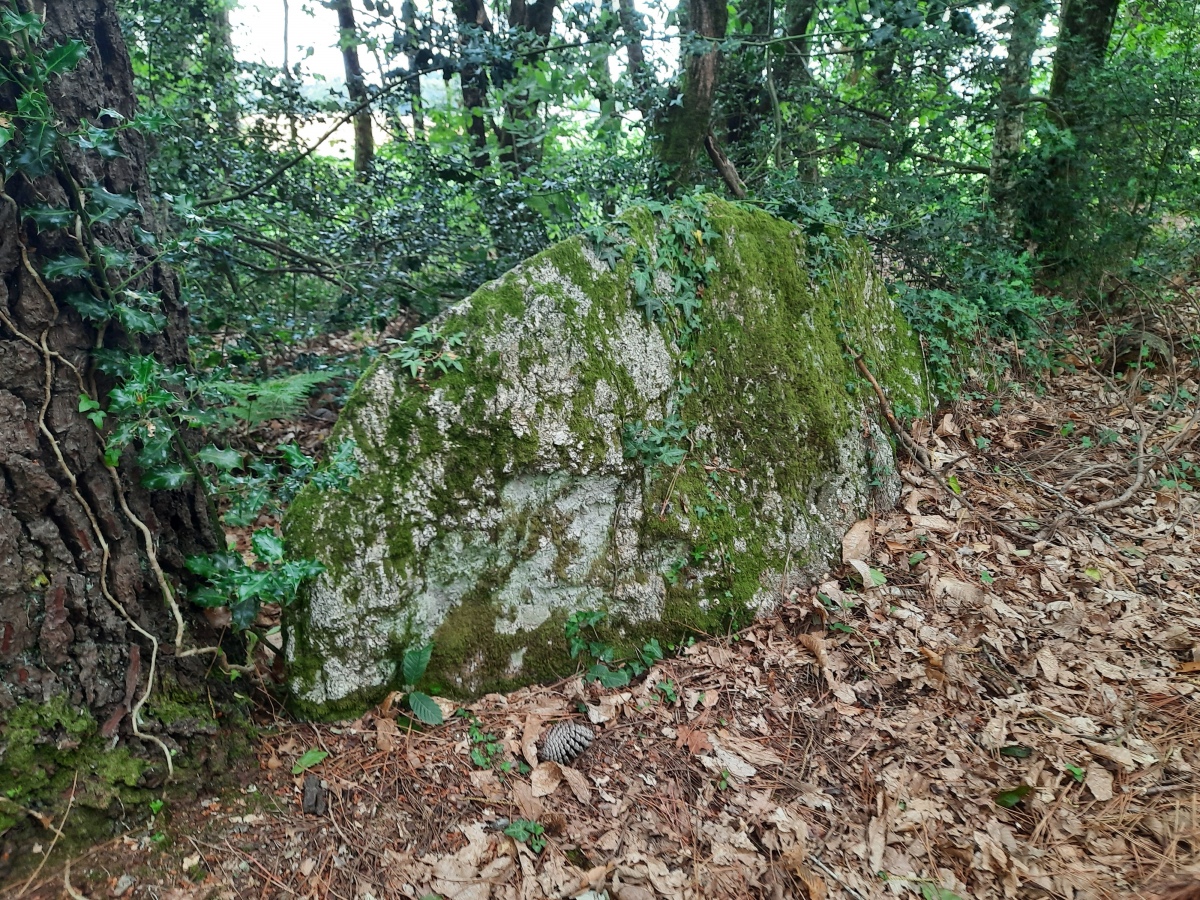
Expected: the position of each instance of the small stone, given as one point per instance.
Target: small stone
(315, 796)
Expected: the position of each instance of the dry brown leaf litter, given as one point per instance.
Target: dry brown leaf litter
(856, 745)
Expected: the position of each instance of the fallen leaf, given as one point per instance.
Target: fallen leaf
(694, 738)
(857, 542)
(1100, 782)
(578, 784)
(813, 884)
(529, 736)
(545, 778)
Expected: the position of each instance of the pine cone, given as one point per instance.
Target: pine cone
(565, 741)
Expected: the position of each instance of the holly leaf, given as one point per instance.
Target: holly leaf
(64, 57)
(166, 478)
(268, 546)
(224, 459)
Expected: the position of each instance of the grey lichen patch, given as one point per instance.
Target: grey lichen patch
(495, 501)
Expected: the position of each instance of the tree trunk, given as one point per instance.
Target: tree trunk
(356, 88)
(521, 136)
(1085, 29)
(796, 86)
(409, 12)
(473, 78)
(1053, 210)
(82, 619)
(684, 126)
(1008, 134)
(639, 72)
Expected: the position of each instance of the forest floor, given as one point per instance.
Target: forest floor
(1011, 708)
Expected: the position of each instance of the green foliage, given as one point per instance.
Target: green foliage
(656, 445)
(231, 582)
(255, 402)
(428, 350)
(413, 668)
(228, 579)
(527, 832)
(584, 641)
(486, 749)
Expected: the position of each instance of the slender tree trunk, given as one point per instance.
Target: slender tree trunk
(474, 79)
(684, 126)
(409, 12)
(796, 83)
(1009, 131)
(356, 88)
(287, 74)
(1052, 215)
(639, 71)
(78, 602)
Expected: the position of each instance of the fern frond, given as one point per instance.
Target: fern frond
(256, 402)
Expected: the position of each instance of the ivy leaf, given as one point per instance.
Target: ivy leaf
(64, 57)
(1010, 798)
(268, 546)
(416, 662)
(166, 478)
(607, 677)
(308, 760)
(424, 708)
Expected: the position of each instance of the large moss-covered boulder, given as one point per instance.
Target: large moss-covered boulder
(659, 421)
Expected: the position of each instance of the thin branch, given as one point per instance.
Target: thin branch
(928, 157)
(729, 174)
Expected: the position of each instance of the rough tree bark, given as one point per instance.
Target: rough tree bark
(356, 87)
(1085, 29)
(68, 547)
(684, 126)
